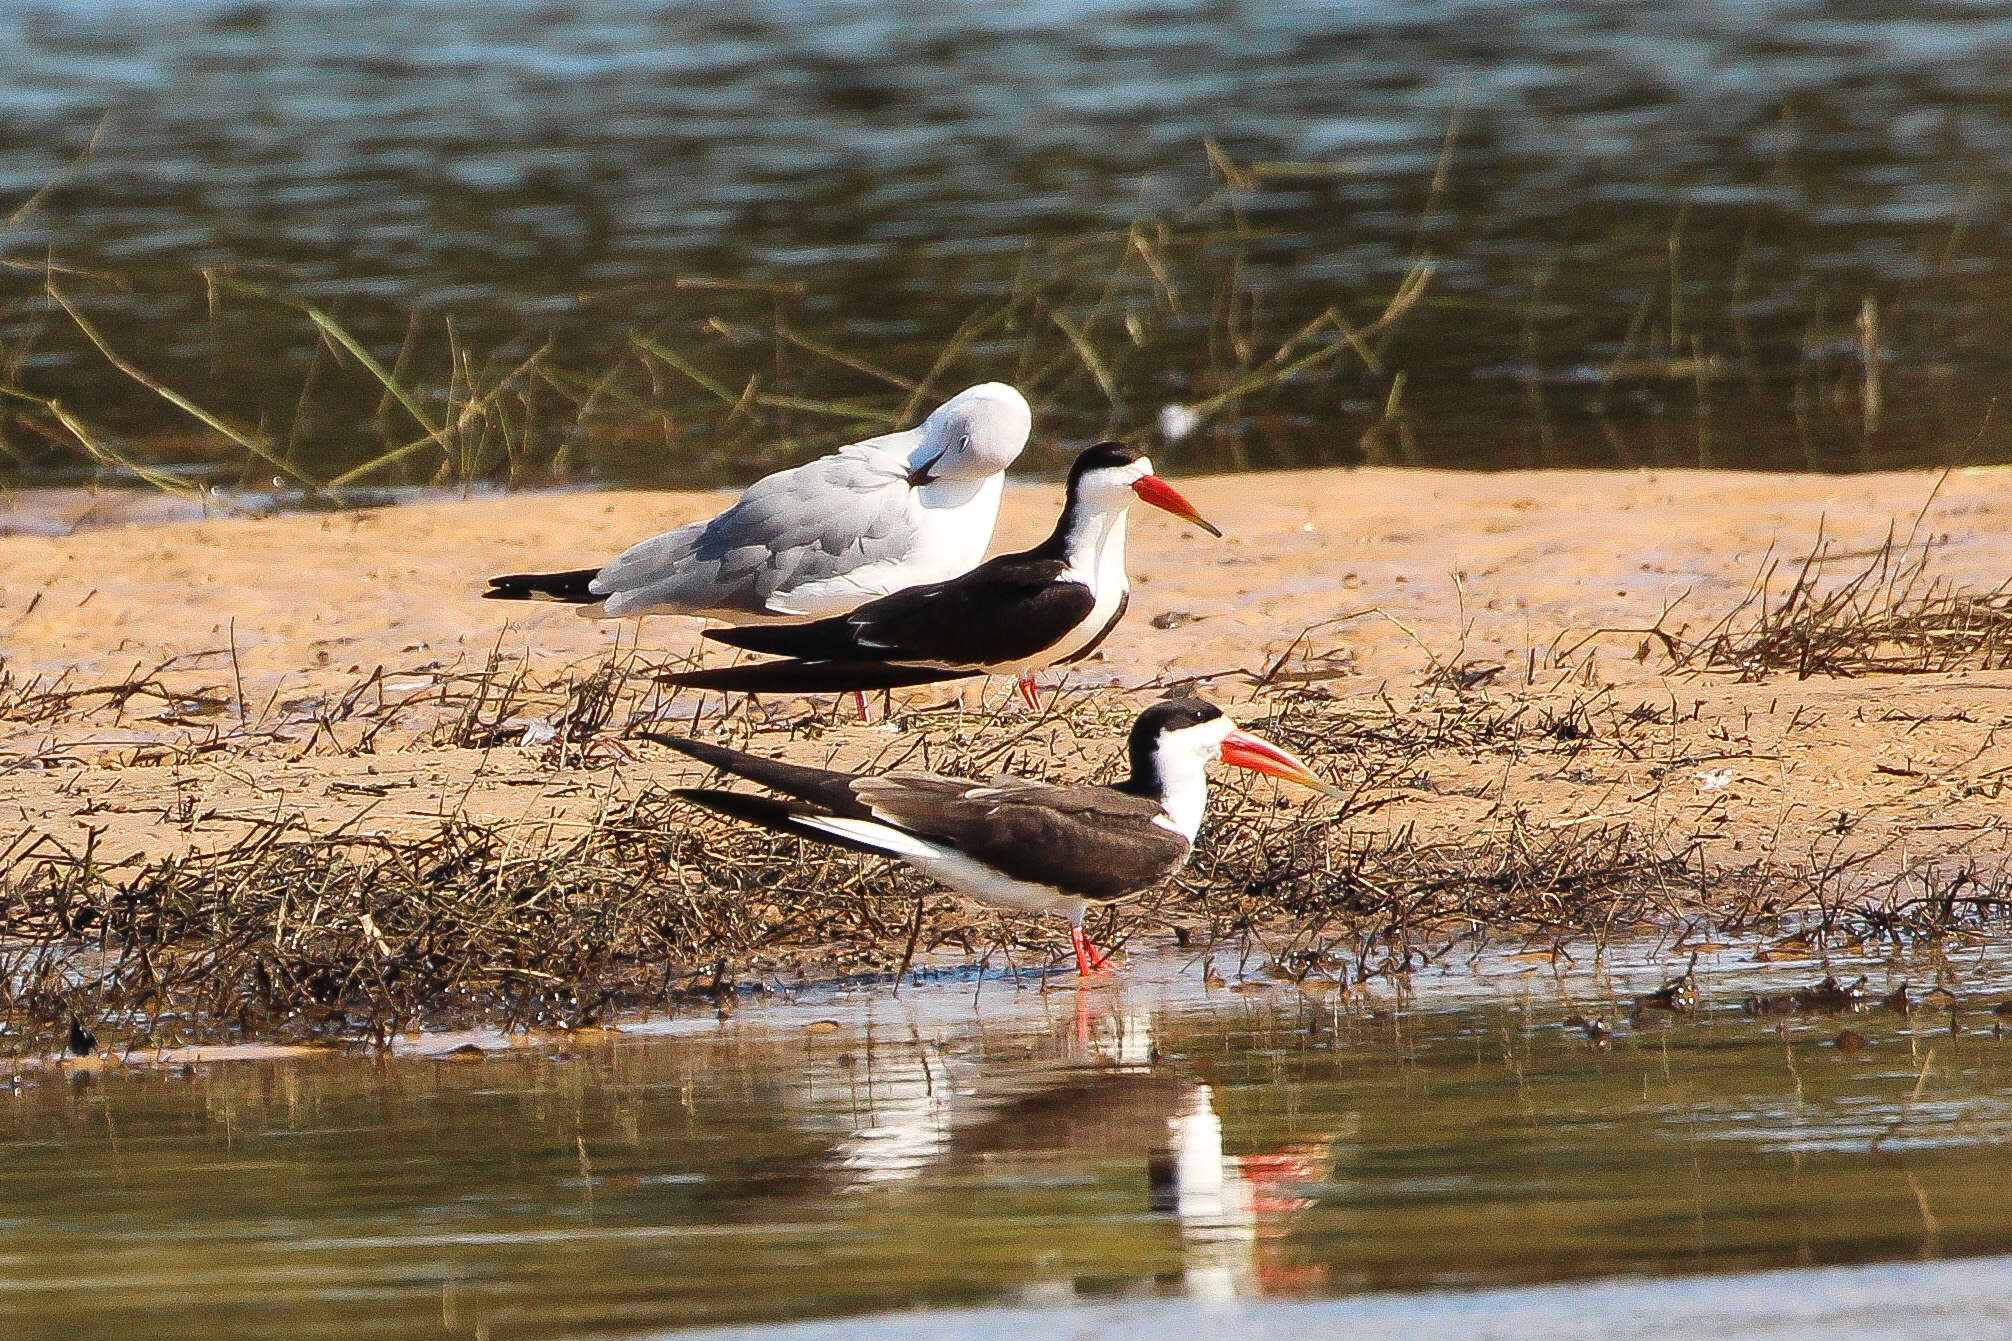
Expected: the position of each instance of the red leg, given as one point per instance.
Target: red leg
(859, 702)
(1089, 959)
(1030, 693)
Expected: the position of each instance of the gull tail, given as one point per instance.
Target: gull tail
(812, 677)
(571, 588)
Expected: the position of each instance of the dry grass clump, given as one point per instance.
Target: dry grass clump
(41, 699)
(1837, 893)
(1888, 616)
(1377, 904)
(301, 936)
(194, 705)
(509, 703)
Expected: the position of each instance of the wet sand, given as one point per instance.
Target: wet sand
(1358, 582)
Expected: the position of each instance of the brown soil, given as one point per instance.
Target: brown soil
(289, 778)
(272, 656)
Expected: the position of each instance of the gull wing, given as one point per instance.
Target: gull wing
(796, 527)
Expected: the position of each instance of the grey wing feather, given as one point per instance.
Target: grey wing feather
(816, 522)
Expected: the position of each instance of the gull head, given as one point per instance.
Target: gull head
(977, 432)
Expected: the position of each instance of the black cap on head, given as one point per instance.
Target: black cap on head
(1104, 456)
(1173, 714)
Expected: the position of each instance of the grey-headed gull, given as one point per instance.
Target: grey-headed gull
(872, 518)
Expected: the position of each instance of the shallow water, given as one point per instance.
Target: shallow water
(1725, 181)
(1043, 1160)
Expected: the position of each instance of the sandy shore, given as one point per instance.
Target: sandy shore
(1364, 581)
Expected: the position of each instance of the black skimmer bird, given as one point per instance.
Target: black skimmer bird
(1015, 614)
(1028, 846)
(871, 518)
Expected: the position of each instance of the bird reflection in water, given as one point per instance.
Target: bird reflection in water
(1231, 1207)
(935, 1111)
(1109, 1097)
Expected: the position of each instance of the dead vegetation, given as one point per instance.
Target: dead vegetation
(1887, 615)
(194, 706)
(352, 936)
(38, 700)
(299, 929)
(345, 936)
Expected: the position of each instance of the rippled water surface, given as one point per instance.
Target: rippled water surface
(1515, 1144)
(1686, 234)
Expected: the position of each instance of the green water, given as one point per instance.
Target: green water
(1654, 229)
(1040, 1156)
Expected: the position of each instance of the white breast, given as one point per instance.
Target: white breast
(981, 882)
(947, 866)
(1108, 583)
